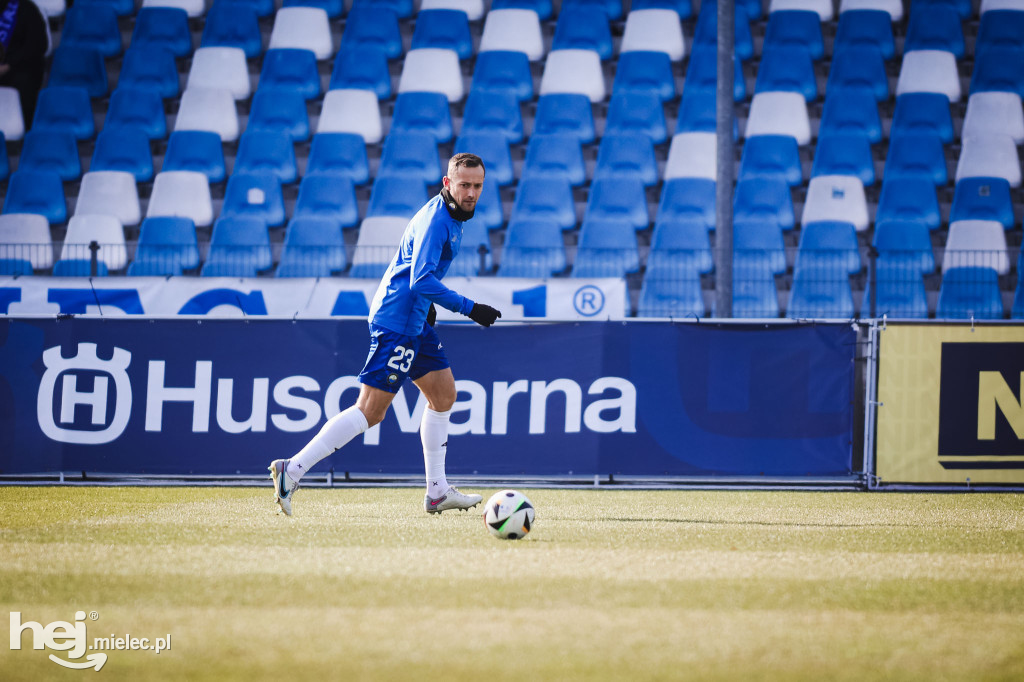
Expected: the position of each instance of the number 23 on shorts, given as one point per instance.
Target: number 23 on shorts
(402, 359)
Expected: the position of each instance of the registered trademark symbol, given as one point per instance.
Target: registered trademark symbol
(93, 615)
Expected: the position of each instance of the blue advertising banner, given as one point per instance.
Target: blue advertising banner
(224, 397)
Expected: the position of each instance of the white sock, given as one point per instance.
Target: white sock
(339, 430)
(434, 435)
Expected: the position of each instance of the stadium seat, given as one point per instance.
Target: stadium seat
(923, 113)
(909, 198)
(105, 230)
(432, 69)
(79, 67)
(982, 198)
(493, 112)
(1017, 309)
(827, 255)
(372, 26)
(906, 244)
(533, 248)
(822, 7)
(166, 27)
(964, 8)
(795, 28)
(698, 114)
(998, 69)
(1000, 28)
(181, 193)
(706, 31)
(861, 28)
(702, 74)
(474, 9)
(976, 243)
(573, 72)
(313, 247)
(494, 150)
(653, 29)
(239, 247)
(764, 201)
(989, 155)
(232, 24)
(26, 237)
(123, 149)
(754, 295)
(51, 151)
(542, 8)
(937, 28)
(580, 28)
(290, 69)
(351, 111)
(255, 196)
(779, 113)
(994, 112)
(266, 152)
(893, 7)
(334, 8)
(929, 71)
(468, 262)
(970, 293)
(836, 197)
(324, 196)
(513, 29)
(844, 155)
(607, 248)
(423, 112)
(196, 150)
(852, 112)
(627, 155)
(52, 8)
(194, 8)
(109, 193)
(92, 25)
(618, 198)
(636, 113)
(121, 8)
(692, 155)
(901, 293)
(666, 295)
(210, 110)
(687, 200)
(787, 69)
(339, 154)
(361, 68)
(403, 9)
(12, 121)
(396, 196)
(567, 114)
(554, 155)
(644, 71)
(771, 156)
(283, 113)
(304, 27)
(545, 199)
(503, 71)
(411, 154)
(139, 109)
(612, 9)
(858, 68)
(78, 268)
(916, 156)
(220, 68)
(758, 249)
(149, 67)
(379, 237)
(167, 246)
(681, 247)
(39, 192)
(5, 163)
(684, 8)
(489, 211)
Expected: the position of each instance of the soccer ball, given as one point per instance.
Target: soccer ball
(508, 515)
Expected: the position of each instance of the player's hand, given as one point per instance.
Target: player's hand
(431, 315)
(484, 315)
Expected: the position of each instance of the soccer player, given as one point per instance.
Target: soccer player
(403, 343)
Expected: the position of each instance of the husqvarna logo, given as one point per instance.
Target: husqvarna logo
(84, 386)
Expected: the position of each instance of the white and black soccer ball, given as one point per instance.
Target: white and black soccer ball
(508, 515)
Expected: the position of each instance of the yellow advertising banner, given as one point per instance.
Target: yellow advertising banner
(952, 404)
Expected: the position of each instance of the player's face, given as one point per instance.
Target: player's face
(465, 185)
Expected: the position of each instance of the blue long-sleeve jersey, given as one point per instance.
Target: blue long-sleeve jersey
(413, 279)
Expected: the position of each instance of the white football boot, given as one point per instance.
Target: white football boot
(284, 486)
(453, 499)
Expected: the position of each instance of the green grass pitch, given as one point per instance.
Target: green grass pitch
(611, 585)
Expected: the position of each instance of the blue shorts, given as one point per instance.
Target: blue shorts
(394, 357)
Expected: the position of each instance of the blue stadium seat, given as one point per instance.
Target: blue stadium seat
(396, 196)
(851, 112)
(916, 156)
(906, 244)
(795, 28)
(818, 293)
(362, 68)
(334, 8)
(78, 267)
(901, 293)
(323, 196)
(706, 31)
(504, 71)
(565, 113)
(923, 113)
(339, 154)
(122, 8)
(123, 149)
(468, 262)
(149, 66)
(545, 199)
(290, 69)
(687, 200)
(92, 25)
(964, 8)
(80, 67)
(607, 248)
(612, 8)
(411, 154)
(1000, 28)
(554, 155)
(636, 112)
(140, 109)
(858, 68)
(403, 9)
(999, 69)
(266, 152)
(15, 266)
(543, 8)
(681, 247)
(580, 28)
(1017, 309)
(489, 211)
(164, 26)
(232, 24)
(629, 155)
(239, 247)
(51, 151)
(618, 198)
(533, 248)
(39, 192)
(970, 292)
(702, 73)
(754, 295)
(771, 156)
(65, 109)
(665, 295)
(683, 8)
(787, 69)
(844, 155)
(758, 249)
(909, 198)
(644, 71)
(937, 28)
(493, 112)
(981, 198)
(865, 28)
(196, 150)
(420, 111)
(829, 245)
(313, 247)
(279, 112)
(167, 246)
(494, 150)
(249, 195)
(698, 113)
(766, 201)
(372, 26)
(443, 28)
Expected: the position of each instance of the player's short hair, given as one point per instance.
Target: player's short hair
(464, 160)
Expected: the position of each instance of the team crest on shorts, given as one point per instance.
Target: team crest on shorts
(392, 378)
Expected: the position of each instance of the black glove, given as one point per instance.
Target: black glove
(431, 315)
(484, 314)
